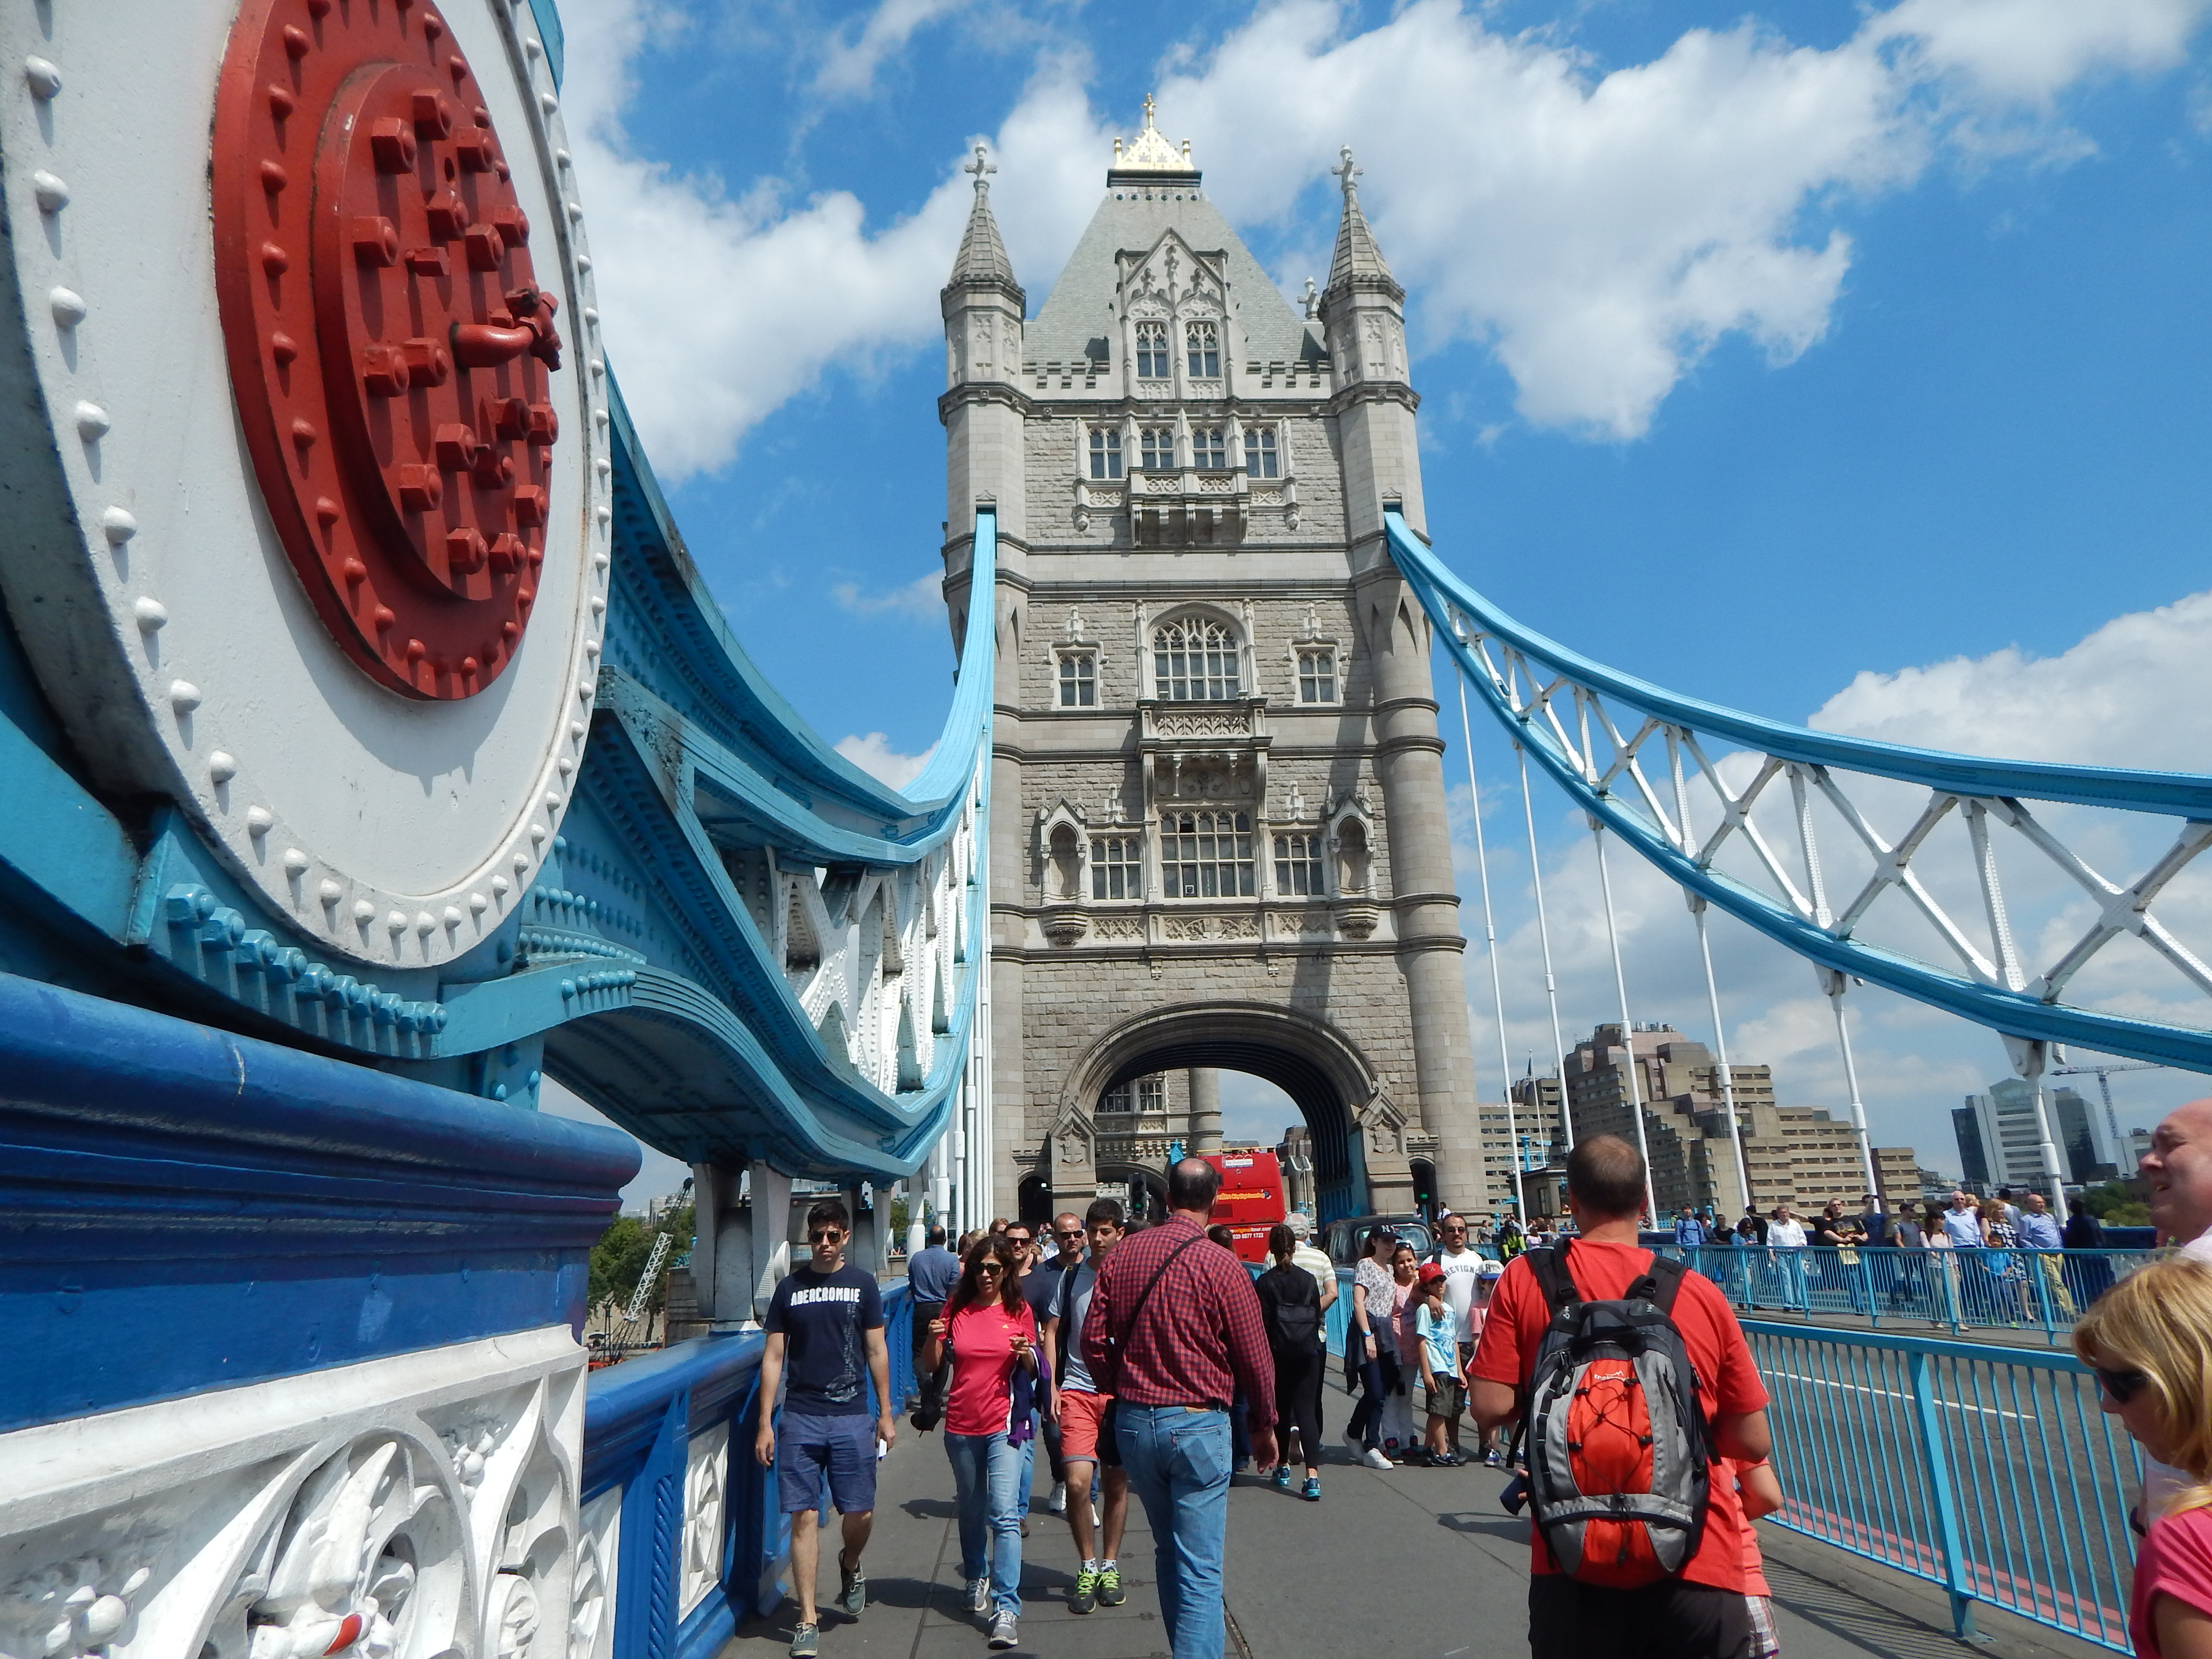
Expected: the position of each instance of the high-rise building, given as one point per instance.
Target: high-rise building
(1973, 1159)
(2076, 1129)
(2000, 1139)
(1795, 1155)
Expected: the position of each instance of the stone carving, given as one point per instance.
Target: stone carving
(1216, 486)
(1119, 927)
(591, 1629)
(1240, 927)
(338, 1576)
(74, 1609)
(705, 1475)
(514, 1616)
(1223, 723)
(1266, 498)
(1072, 1149)
(1162, 483)
(1066, 926)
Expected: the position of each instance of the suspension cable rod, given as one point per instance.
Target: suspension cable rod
(1836, 984)
(1490, 944)
(1544, 933)
(1627, 1030)
(1689, 840)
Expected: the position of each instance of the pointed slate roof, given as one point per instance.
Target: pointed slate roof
(1357, 258)
(982, 255)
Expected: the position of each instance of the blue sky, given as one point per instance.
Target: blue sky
(1761, 349)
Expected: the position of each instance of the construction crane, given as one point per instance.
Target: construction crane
(2103, 1074)
(643, 1293)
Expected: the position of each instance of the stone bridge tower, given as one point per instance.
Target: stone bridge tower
(1218, 833)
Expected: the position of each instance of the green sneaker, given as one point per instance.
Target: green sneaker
(1110, 1593)
(806, 1642)
(1086, 1592)
(852, 1590)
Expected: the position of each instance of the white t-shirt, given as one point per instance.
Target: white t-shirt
(2162, 1480)
(1462, 1272)
(1317, 1263)
(1785, 1235)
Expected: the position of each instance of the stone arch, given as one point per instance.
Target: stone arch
(1359, 1132)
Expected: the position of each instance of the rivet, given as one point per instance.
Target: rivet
(151, 613)
(576, 729)
(592, 649)
(260, 821)
(592, 316)
(457, 68)
(303, 432)
(452, 917)
(537, 836)
(273, 177)
(564, 766)
(478, 904)
(223, 767)
(576, 212)
(117, 526)
(52, 193)
(583, 262)
(547, 102)
(281, 102)
(425, 923)
(603, 466)
(600, 560)
(353, 571)
(283, 347)
(552, 801)
(396, 923)
(330, 892)
(561, 158)
(295, 861)
(326, 513)
(91, 422)
(296, 43)
(530, 46)
(363, 912)
(521, 863)
(46, 80)
(183, 696)
(500, 886)
(274, 260)
(607, 516)
(585, 689)
(68, 306)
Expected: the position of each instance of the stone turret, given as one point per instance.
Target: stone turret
(1364, 312)
(982, 305)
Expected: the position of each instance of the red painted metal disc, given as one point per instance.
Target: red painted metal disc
(389, 346)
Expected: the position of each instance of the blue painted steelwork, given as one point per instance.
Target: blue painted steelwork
(640, 1418)
(182, 1209)
(2017, 1012)
(1989, 1471)
(2029, 1292)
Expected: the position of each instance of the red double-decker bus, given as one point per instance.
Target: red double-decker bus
(1251, 1200)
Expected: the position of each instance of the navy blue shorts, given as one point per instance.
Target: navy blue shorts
(841, 1448)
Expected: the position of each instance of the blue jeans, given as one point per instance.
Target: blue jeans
(991, 1486)
(1178, 1464)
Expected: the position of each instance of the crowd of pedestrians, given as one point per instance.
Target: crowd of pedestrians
(1132, 1356)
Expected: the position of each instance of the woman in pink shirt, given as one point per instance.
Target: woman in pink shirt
(2150, 1341)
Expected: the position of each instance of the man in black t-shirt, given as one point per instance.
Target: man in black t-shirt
(826, 1325)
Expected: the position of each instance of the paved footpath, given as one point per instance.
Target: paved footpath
(1416, 1563)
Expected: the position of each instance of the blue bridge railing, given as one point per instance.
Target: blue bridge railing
(1990, 1471)
(682, 1536)
(2029, 1293)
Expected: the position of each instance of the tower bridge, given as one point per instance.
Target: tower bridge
(375, 752)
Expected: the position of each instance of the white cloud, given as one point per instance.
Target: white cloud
(2136, 692)
(1601, 233)
(921, 599)
(853, 56)
(874, 755)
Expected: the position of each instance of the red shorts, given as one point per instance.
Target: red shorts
(1078, 1425)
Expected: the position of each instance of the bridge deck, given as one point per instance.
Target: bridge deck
(1303, 1579)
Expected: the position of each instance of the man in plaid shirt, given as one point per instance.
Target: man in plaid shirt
(1173, 1331)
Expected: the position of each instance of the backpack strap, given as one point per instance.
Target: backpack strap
(1660, 1283)
(1553, 1278)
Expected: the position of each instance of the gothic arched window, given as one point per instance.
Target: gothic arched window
(1203, 341)
(1151, 351)
(1194, 659)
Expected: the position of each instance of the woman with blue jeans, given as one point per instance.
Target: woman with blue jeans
(1372, 1347)
(992, 1335)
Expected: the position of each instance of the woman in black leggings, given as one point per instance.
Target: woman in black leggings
(1290, 1309)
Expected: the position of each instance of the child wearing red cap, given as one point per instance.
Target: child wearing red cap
(1438, 1327)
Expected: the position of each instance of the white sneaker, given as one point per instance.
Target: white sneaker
(1002, 1632)
(1058, 1501)
(1374, 1459)
(979, 1595)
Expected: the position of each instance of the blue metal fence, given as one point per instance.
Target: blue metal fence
(668, 1438)
(2028, 1292)
(1988, 1470)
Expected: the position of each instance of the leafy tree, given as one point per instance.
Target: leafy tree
(618, 1259)
(2118, 1204)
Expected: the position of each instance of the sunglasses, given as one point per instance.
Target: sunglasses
(982, 1267)
(824, 1236)
(2123, 1386)
(1071, 1232)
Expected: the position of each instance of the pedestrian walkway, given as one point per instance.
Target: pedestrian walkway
(1420, 1563)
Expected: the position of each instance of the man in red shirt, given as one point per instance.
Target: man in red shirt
(1701, 1613)
(1172, 1332)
